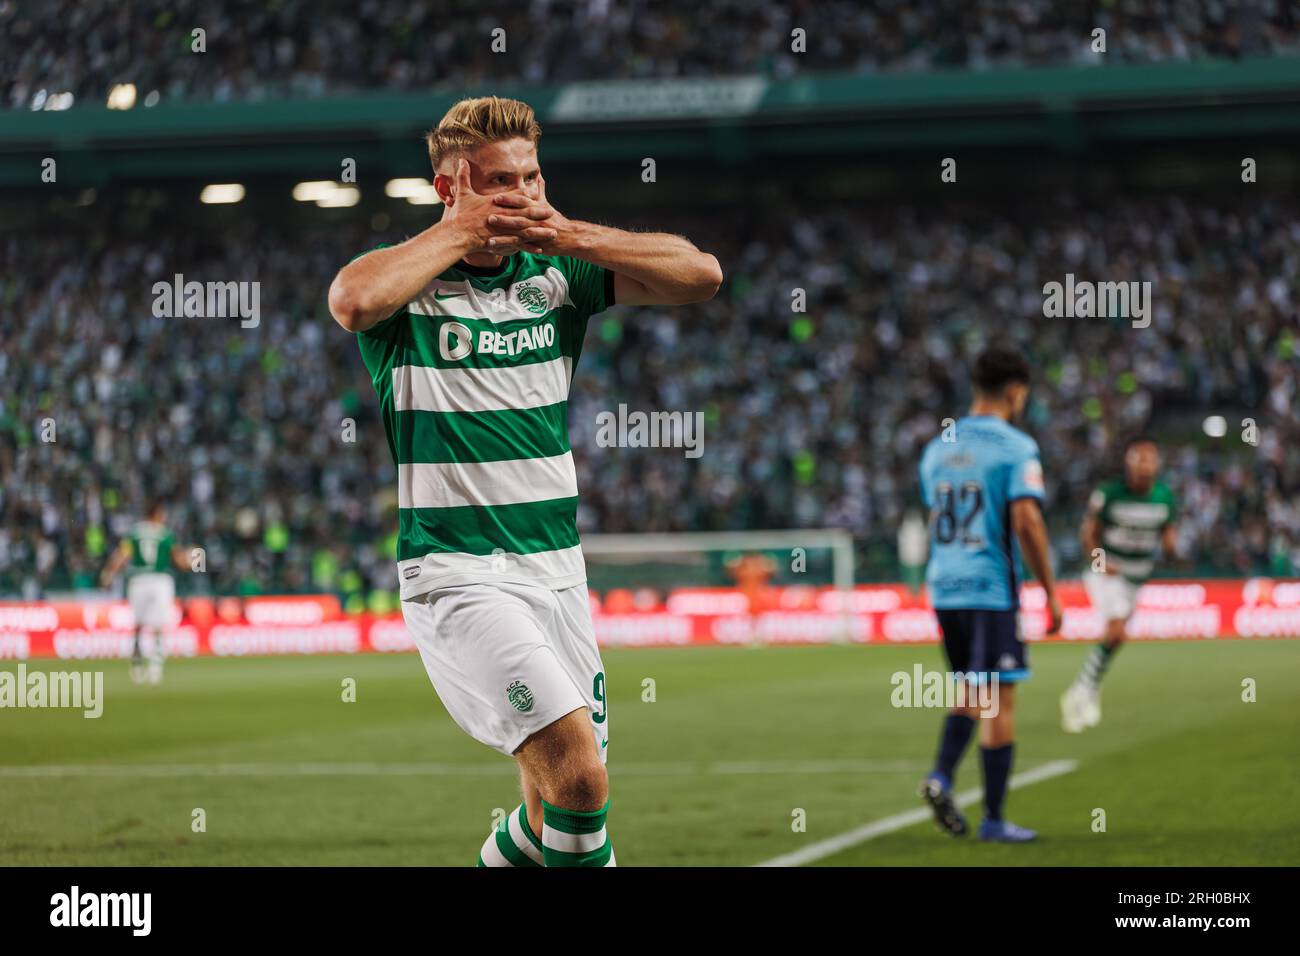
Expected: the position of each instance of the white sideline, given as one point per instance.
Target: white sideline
(495, 769)
(898, 821)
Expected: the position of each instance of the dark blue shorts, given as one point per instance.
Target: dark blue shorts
(979, 642)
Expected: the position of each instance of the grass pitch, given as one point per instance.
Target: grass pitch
(711, 772)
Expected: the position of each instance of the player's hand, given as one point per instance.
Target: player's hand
(469, 211)
(522, 221)
(1055, 612)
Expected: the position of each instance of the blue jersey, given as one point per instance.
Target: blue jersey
(968, 484)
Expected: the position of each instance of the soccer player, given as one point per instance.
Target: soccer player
(470, 332)
(983, 483)
(147, 552)
(1126, 522)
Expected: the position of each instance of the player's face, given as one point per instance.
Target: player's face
(508, 166)
(1142, 464)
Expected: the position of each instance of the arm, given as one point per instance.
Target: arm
(370, 289)
(181, 558)
(1169, 542)
(115, 564)
(1029, 527)
(650, 268)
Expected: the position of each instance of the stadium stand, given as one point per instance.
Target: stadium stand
(294, 48)
(812, 420)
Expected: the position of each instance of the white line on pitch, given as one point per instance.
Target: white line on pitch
(898, 821)
(722, 768)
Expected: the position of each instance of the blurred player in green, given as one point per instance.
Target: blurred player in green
(147, 554)
(1127, 522)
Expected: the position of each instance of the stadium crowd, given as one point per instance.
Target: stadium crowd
(296, 48)
(812, 418)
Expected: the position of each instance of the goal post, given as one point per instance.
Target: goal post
(665, 562)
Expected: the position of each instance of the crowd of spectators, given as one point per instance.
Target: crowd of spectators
(260, 49)
(812, 418)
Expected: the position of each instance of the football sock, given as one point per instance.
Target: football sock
(157, 652)
(956, 734)
(1094, 667)
(512, 843)
(575, 837)
(997, 769)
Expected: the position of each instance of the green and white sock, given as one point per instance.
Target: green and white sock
(575, 837)
(1094, 668)
(512, 843)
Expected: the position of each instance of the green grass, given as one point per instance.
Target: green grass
(709, 773)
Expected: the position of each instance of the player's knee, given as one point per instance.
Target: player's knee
(583, 786)
(1000, 706)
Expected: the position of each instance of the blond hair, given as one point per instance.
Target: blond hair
(485, 119)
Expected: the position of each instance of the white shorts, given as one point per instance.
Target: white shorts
(1113, 596)
(151, 597)
(510, 659)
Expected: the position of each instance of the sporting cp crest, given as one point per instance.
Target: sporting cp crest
(520, 697)
(531, 298)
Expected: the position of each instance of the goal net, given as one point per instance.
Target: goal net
(751, 577)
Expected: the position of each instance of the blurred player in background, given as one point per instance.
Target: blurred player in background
(1127, 521)
(471, 331)
(752, 571)
(983, 483)
(148, 553)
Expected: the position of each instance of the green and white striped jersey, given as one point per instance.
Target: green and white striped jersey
(473, 384)
(1131, 525)
(151, 549)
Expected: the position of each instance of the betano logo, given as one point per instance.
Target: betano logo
(456, 341)
(72, 909)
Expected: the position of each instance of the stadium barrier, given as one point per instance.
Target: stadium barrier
(880, 614)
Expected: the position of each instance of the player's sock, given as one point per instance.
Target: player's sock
(1094, 667)
(575, 837)
(996, 762)
(957, 730)
(512, 843)
(137, 659)
(157, 654)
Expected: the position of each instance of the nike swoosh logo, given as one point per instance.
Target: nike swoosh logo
(604, 743)
(455, 295)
